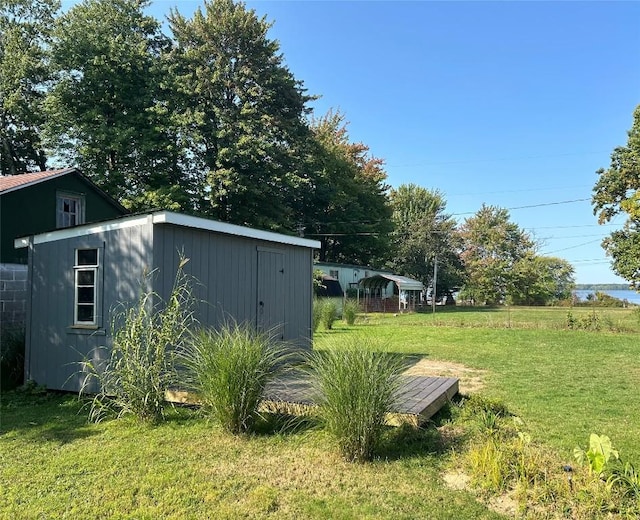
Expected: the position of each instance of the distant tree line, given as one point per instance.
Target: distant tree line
(602, 287)
(208, 120)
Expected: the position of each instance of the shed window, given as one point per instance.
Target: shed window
(334, 273)
(86, 287)
(70, 210)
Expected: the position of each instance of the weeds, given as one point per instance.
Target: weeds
(140, 366)
(228, 370)
(11, 357)
(356, 385)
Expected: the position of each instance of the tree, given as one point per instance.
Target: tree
(492, 245)
(422, 233)
(540, 280)
(346, 205)
(617, 191)
(24, 72)
(241, 114)
(107, 111)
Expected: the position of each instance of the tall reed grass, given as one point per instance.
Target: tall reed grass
(140, 365)
(228, 369)
(356, 385)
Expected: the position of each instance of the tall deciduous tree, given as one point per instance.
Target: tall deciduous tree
(618, 192)
(24, 35)
(422, 233)
(540, 280)
(491, 247)
(346, 205)
(242, 114)
(107, 112)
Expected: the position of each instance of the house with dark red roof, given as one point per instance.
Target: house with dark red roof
(32, 203)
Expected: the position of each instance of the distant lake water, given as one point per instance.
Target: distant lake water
(630, 296)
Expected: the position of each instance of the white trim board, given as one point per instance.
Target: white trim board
(166, 217)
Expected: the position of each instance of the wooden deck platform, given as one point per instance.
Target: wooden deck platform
(419, 397)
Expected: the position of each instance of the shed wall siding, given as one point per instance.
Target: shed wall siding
(227, 272)
(54, 347)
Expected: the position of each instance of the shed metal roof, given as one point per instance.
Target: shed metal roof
(404, 283)
(167, 217)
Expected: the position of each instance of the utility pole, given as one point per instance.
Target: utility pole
(435, 283)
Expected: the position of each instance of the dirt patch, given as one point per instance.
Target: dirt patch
(504, 504)
(471, 379)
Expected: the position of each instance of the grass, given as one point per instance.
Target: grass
(228, 369)
(356, 387)
(565, 384)
(56, 465)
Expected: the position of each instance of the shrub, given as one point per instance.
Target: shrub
(356, 386)
(11, 358)
(349, 311)
(228, 370)
(140, 367)
(328, 313)
(316, 315)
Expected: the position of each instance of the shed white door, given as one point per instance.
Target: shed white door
(271, 291)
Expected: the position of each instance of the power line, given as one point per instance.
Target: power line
(530, 206)
(500, 159)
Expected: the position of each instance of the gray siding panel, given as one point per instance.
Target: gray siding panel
(55, 348)
(226, 270)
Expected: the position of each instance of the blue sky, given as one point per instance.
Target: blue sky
(505, 103)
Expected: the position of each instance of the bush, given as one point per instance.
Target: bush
(140, 367)
(228, 370)
(316, 315)
(356, 385)
(349, 311)
(328, 313)
(11, 358)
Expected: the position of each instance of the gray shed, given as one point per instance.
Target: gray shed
(77, 275)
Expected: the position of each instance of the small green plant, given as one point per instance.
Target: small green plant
(627, 480)
(597, 457)
(356, 384)
(228, 370)
(316, 314)
(140, 366)
(11, 357)
(328, 313)
(350, 311)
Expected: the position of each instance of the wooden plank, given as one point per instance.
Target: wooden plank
(418, 399)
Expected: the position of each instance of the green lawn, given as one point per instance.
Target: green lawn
(565, 384)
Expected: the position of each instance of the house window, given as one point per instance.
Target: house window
(85, 287)
(334, 273)
(70, 210)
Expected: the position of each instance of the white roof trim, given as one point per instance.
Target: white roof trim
(84, 230)
(166, 217)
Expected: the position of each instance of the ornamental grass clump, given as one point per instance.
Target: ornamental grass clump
(328, 313)
(356, 385)
(228, 369)
(350, 311)
(140, 365)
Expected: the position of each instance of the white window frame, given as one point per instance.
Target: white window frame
(78, 268)
(63, 218)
